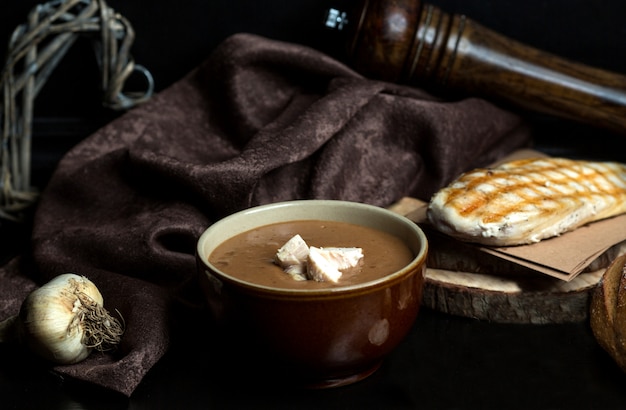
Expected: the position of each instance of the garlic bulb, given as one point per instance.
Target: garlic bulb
(64, 320)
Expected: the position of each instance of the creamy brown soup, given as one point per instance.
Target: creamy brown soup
(249, 256)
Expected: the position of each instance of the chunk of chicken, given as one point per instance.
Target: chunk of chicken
(292, 257)
(326, 264)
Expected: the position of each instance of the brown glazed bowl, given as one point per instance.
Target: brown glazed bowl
(316, 337)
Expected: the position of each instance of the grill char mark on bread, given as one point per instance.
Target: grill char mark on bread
(525, 201)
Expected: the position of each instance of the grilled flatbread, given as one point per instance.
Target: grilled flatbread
(525, 201)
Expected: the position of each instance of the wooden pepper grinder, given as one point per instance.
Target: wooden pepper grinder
(411, 42)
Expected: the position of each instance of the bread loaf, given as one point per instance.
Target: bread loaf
(608, 311)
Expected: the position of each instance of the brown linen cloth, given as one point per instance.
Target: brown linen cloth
(259, 121)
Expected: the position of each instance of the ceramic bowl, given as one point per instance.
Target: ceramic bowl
(318, 337)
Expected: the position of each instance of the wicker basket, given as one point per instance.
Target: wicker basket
(35, 49)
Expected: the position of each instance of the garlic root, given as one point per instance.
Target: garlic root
(63, 321)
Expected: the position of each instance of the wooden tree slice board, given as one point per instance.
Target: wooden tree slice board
(509, 297)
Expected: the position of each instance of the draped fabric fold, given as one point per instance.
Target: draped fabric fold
(258, 121)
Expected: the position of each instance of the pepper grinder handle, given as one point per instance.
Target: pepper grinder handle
(411, 42)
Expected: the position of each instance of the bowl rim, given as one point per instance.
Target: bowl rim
(362, 287)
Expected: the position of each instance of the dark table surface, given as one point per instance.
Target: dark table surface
(446, 362)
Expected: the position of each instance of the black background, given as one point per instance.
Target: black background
(173, 37)
(446, 362)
